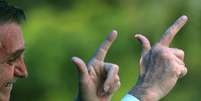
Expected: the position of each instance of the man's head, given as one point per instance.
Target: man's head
(11, 48)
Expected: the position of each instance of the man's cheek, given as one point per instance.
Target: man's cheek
(6, 74)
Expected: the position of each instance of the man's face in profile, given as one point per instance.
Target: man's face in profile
(11, 58)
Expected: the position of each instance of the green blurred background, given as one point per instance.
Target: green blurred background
(56, 30)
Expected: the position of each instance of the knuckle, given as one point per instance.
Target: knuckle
(115, 67)
(158, 46)
(184, 72)
(180, 71)
(164, 54)
(181, 52)
(118, 84)
(91, 62)
(116, 78)
(160, 50)
(171, 30)
(176, 71)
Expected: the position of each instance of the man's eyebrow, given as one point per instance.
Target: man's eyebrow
(14, 55)
(18, 51)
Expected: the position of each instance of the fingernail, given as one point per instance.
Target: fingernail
(184, 17)
(74, 58)
(136, 35)
(114, 31)
(113, 35)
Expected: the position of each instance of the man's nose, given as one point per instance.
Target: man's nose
(20, 69)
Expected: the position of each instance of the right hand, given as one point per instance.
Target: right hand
(160, 66)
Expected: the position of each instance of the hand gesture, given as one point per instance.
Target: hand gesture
(160, 66)
(98, 79)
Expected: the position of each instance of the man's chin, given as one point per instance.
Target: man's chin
(4, 97)
(5, 93)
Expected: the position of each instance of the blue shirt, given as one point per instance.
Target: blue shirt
(129, 97)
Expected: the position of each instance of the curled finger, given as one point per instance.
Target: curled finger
(112, 74)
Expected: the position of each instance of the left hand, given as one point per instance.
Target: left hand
(98, 79)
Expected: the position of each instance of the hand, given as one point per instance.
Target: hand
(160, 66)
(98, 79)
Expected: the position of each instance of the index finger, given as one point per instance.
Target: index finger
(103, 49)
(172, 31)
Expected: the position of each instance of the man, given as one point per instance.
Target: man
(11, 48)
(12, 64)
(160, 68)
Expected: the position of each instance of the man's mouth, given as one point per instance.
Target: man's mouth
(10, 83)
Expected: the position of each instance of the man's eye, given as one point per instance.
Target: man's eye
(11, 60)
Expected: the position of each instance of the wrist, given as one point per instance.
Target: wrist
(145, 93)
(91, 97)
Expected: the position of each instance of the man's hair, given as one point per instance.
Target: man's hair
(9, 13)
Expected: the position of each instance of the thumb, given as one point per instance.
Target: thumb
(144, 43)
(81, 66)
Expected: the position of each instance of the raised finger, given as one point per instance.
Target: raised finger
(172, 31)
(144, 43)
(102, 51)
(81, 66)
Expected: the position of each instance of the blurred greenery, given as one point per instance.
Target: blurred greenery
(56, 30)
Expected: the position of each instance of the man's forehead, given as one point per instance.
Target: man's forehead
(9, 28)
(11, 37)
